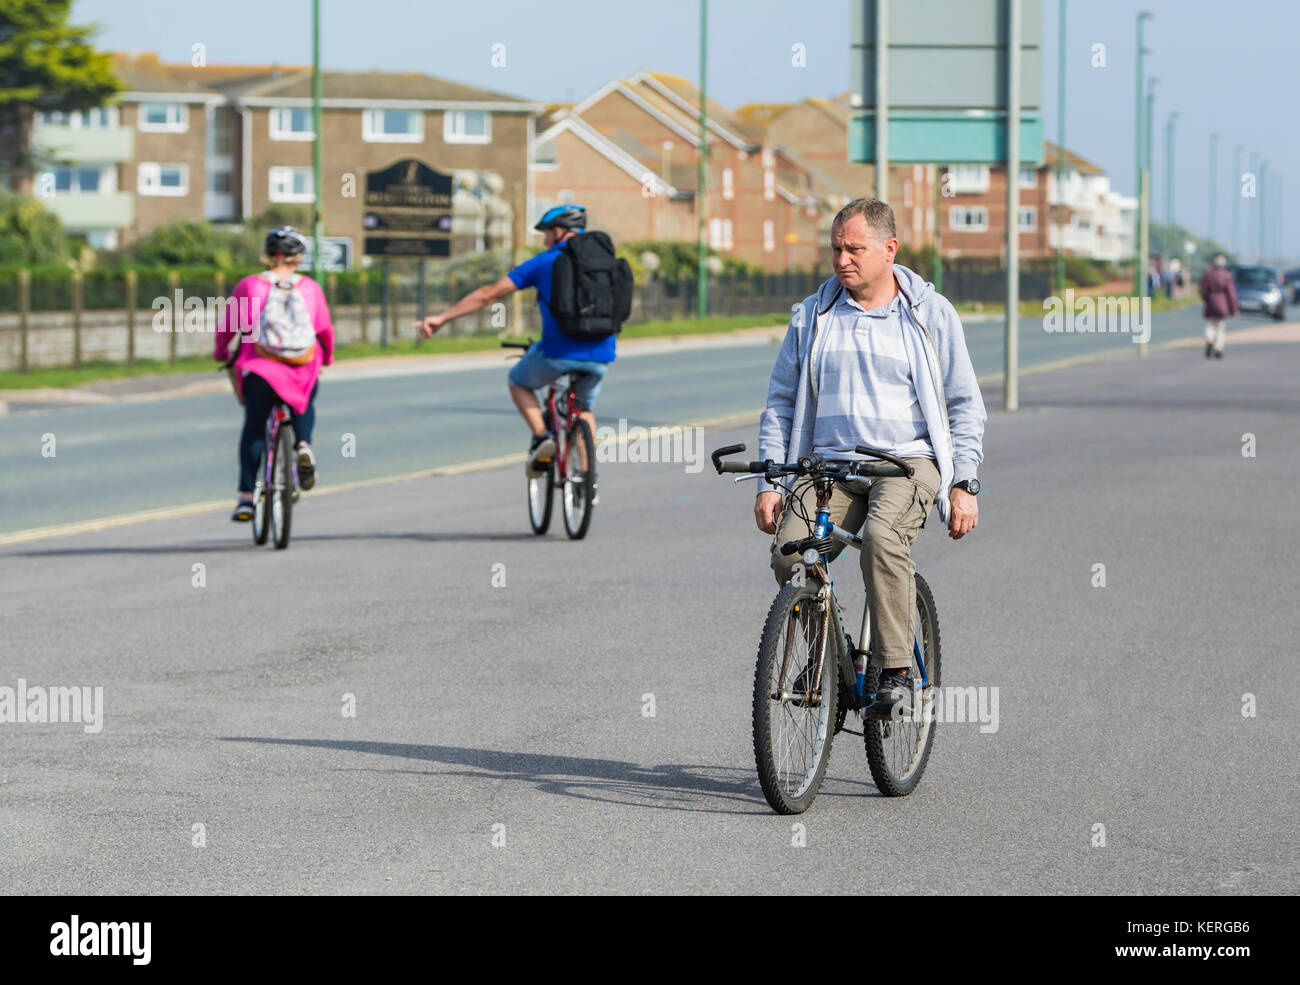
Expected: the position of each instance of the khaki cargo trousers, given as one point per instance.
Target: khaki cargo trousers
(888, 517)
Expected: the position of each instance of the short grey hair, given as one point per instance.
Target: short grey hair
(879, 216)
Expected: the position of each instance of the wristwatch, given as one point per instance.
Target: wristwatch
(972, 486)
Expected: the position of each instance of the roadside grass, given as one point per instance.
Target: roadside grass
(99, 370)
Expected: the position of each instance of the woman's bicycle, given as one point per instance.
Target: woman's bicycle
(275, 489)
(573, 468)
(810, 674)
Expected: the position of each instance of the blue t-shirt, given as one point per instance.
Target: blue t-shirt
(536, 273)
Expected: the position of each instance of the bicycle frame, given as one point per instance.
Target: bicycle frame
(560, 393)
(823, 527)
(279, 414)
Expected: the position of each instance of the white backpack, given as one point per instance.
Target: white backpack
(286, 332)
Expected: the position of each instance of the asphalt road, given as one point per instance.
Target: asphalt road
(517, 712)
(120, 458)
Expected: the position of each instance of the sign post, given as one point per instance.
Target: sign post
(940, 83)
(408, 211)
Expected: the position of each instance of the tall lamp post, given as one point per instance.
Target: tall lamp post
(317, 221)
(701, 271)
(1060, 152)
(1139, 268)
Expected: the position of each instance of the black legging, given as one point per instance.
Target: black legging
(259, 398)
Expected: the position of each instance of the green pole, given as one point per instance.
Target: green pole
(1169, 175)
(316, 258)
(1149, 160)
(1139, 281)
(1214, 166)
(701, 272)
(1060, 154)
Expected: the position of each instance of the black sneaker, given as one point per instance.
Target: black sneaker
(306, 467)
(894, 689)
(540, 453)
(1209, 349)
(1218, 353)
(243, 511)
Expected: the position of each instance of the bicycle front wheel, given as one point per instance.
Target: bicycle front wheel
(794, 707)
(899, 749)
(541, 496)
(579, 480)
(282, 487)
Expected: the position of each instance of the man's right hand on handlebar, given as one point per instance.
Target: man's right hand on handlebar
(767, 509)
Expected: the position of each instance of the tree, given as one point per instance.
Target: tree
(47, 65)
(29, 233)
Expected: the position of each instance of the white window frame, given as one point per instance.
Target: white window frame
(450, 134)
(278, 132)
(969, 179)
(1033, 176)
(969, 212)
(769, 235)
(77, 120)
(107, 178)
(178, 125)
(374, 136)
(769, 185)
(276, 176)
(728, 185)
(149, 180)
(1031, 212)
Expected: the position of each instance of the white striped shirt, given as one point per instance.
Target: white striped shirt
(865, 393)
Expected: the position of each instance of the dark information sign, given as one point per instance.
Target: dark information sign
(410, 204)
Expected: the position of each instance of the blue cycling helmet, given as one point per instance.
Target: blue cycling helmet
(567, 216)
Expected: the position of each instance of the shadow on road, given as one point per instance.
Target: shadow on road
(675, 787)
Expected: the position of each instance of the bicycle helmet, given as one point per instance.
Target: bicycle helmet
(285, 241)
(566, 216)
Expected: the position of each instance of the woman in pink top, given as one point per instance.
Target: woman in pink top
(262, 373)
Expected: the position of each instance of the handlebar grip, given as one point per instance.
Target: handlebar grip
(728, 450)
(790, 547)
(894, 459)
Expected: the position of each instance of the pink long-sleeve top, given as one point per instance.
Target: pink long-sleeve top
(243, 316)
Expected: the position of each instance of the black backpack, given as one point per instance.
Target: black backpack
(591, 289)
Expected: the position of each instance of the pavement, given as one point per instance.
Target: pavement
(419, 696)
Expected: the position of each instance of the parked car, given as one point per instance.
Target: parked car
(1292, 280)
(1260, 289)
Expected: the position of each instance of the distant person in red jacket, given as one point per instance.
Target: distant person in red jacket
(1220, 296)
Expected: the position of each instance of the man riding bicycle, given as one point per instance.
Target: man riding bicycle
(281, 324)
(875, 358)
(556, 353)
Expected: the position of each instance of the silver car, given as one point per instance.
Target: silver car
(1260, 289)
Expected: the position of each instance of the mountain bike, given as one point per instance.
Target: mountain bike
(810, 674)
(275, 489)
(573, 468)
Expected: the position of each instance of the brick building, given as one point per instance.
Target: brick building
(630, 153)
(224, 142)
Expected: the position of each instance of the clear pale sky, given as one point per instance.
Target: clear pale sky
(1233, 67)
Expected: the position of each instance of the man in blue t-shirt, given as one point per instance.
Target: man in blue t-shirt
(556, 354)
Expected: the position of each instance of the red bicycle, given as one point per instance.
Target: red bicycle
(572, 470)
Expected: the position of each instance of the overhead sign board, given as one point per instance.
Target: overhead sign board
(945, 81)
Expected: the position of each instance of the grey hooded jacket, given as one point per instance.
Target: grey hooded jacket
(946, 388)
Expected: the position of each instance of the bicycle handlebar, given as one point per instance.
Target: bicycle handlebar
(517, 345)
(816, 464)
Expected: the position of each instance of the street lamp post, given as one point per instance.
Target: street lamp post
(1235, 245)
(1139, 281)
(1060, 153)
(1214, 166)
(701, 272)
(1169, 172)
(317, 259)
(1144, 234)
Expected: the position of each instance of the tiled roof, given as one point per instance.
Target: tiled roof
(145, 73)
(1073, 161)
(688, 92)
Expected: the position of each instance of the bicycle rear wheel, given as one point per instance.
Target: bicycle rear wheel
(282, 487)
(580, 480)
(261, 502)
(898, 751)
(541, 497)
(793, 722)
